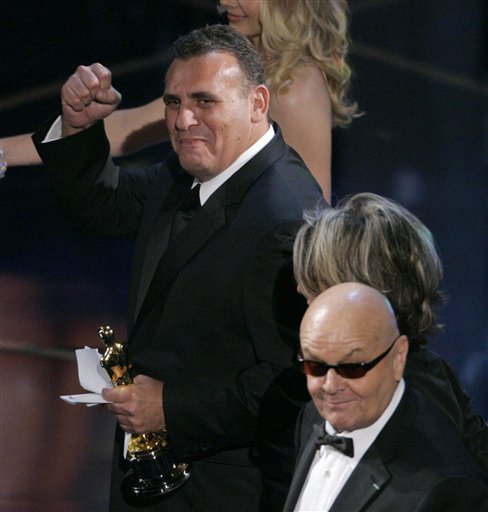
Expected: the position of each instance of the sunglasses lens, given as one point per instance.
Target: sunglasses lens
(314, 369)
(347, 371)
(351, 372)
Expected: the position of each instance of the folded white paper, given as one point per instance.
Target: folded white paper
(92, 377)
(89, 399)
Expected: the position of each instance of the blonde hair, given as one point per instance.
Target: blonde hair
(308, 31)
(372, 240)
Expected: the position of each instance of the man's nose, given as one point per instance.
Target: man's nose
(185, 118)
(332, 382)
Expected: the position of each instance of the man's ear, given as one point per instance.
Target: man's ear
(260, 103)
(400, 357)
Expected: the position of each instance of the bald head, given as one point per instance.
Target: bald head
(352, 306)
(352, 323)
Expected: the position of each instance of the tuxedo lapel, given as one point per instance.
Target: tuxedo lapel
(300, 474)
(178, 253)
(371, 475)
(157, 236)
(367, 480)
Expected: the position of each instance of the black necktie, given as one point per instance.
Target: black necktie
(186, 210)
(343, 444)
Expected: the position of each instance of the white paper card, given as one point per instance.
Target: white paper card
(90, 372)
(89, 399)
(92, 377)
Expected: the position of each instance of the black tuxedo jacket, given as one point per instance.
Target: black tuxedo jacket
(417, 463)
(214, 313)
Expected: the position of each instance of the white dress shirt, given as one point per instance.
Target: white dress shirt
(331, 469)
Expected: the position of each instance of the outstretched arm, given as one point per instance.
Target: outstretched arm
(128, 130)
(133, 129)
(86, 97)
(19, 150)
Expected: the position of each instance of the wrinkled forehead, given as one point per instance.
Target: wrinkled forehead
(340, 332)
(336, 345)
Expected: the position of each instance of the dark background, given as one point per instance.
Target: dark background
(421, 78)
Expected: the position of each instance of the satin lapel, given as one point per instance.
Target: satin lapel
(368, 479)
(177, 255)
(371, 475)
(157, 235)
(300, 474)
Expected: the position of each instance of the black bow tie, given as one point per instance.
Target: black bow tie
(343, 444)
(186, 211)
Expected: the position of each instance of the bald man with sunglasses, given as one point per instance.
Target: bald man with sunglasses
(367, 441)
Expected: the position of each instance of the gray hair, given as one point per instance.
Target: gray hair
(222, 38)
(373, 240)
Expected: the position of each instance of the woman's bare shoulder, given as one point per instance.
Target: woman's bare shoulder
(306, 79)
(307, 90)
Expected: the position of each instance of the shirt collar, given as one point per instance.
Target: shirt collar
(207, 188)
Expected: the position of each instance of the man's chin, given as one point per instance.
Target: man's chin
(192, 166)
(339, 419)
(339, 424)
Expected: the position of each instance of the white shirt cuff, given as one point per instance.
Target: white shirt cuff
(55, 132)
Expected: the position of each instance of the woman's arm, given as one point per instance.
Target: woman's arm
(304, 115)
(128, 131)
(20, 150)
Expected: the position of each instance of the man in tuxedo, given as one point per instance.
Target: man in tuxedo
(368, 441)
(212, 291)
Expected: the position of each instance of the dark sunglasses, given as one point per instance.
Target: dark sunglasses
(346, 370)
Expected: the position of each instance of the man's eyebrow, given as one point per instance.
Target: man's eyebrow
(346, 356)
(199, 95)
(167, 96)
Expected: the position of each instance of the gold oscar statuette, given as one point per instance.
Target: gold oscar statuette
(152, 471)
